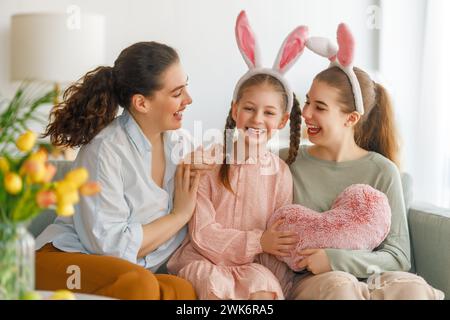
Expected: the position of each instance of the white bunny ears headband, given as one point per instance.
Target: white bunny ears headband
(341, 58)
(290, 51)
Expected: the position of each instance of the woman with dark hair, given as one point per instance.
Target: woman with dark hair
(120, 237)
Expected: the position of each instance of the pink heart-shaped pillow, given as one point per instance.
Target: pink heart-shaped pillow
(360, 218)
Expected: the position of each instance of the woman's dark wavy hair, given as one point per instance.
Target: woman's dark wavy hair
(91, 103)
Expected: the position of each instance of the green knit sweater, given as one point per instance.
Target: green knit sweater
(318, 182)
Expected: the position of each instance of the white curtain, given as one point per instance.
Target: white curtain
(415, 62)
(431, 163)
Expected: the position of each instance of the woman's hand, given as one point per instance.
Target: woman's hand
(201, 161)
(315, 261)
(185, 191)
(279, 243)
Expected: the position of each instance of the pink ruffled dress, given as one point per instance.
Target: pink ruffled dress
(222, 254)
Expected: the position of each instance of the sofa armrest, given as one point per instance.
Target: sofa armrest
(41, 222)
(430, 240)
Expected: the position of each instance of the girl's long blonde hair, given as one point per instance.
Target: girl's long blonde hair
(376, 131)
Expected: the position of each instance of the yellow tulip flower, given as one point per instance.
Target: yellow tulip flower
(65, 210)
(4, 165)
(26, 141)
(35, 169)
(68, 198)
(63, 187)
(90, 188)
(40, 155)
(30, 166)
(62, 295)
(13, 183)
(50, 171)
(78, 176)
(45, 198)
(38, 176)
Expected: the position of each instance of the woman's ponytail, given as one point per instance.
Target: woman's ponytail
(92, 103)
(88, 106)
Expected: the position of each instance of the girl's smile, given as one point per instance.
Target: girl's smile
(259, 113)
(323, 116)
(312, 129)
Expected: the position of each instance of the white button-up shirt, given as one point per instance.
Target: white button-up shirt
(110, 223)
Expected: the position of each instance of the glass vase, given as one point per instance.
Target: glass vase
(16, 261)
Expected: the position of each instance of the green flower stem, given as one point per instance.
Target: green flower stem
(19, 208)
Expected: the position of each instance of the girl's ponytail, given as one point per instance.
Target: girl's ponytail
(378, 131)
(88, 106)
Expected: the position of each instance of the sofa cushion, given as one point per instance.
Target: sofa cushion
(429, 228)
(359, 219)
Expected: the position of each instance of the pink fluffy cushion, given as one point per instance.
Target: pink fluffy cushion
(360, 218)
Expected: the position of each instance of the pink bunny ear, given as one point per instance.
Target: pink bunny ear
(291, 49)
(346, 44)
(246, 40)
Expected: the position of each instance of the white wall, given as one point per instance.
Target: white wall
(419, 75)
(401, 43)
(203, 33)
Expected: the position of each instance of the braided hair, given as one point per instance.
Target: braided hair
(230, 125)
(295, 129)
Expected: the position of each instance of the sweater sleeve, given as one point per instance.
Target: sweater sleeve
(223, 246)
(393, 254)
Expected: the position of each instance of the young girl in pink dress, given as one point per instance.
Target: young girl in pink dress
(226, 255)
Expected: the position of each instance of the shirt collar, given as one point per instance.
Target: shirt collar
(258, 159)
(170, 138)
(135, 133)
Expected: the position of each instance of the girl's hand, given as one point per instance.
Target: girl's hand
(315, 261)
(185, 191)
(200, 168)
(201, 161)
(279, 243)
